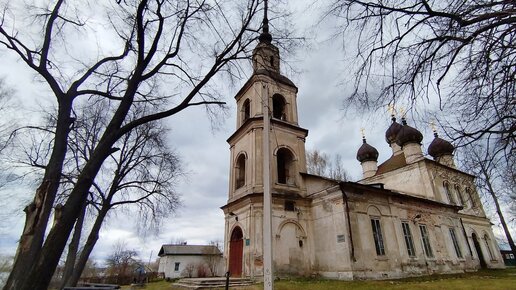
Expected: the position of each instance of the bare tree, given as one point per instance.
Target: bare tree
(318, 163)
(156, 41)
(5, 95)
(213, 258)
(6, 127)
(460, 51)
(491, 166)
(122, 261)
(189, 270)
(139, 177)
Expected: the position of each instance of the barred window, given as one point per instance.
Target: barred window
(408, 239)
(378, 238)
(426, 241)
(455, 243)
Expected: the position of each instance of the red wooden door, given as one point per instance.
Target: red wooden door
(236, 248)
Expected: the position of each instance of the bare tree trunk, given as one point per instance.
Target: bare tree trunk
(73, 249)
(88, 247)
(38, 212)
(498, 210)
(40, 274)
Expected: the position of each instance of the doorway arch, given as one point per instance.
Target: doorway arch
(480, 255)
(236, 248)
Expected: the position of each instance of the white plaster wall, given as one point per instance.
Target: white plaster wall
(167, 265)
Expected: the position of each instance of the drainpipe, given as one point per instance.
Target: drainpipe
(345, 200)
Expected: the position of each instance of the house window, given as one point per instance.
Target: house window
(455, 243)
(285, 163)
(240, 171)
(246, 110)
(486, 240)
(426, 241)
(176, 267)
(459, 194)
(448, 192)
(378, 238)
(408, 239)
(279, 107)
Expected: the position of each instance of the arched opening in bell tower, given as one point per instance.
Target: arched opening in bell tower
(279, 107)
(240, 171)
(285, 166)
(246, 110)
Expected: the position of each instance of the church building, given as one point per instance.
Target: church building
(408, 216)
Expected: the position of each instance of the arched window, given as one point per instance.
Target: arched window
(279, 106)
(246, 110)
(487, 239)
(285, 166)
(240, 171)
(470, 197)
(459, 194)
(448, 192)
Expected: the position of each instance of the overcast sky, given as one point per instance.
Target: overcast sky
(322, 70)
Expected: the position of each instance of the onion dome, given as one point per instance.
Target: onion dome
(367, 152)
(392, 131)
(408, 134)
(440, 147)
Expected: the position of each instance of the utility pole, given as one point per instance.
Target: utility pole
(268, 277)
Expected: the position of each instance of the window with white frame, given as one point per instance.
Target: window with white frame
(409, 242)
(425, 238)
(377, 235)
(176, 267)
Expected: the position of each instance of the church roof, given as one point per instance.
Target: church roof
(393, 163)
(378, 188)
(188, 250)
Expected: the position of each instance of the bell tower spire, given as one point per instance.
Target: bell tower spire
(266, 55)
(265, 36)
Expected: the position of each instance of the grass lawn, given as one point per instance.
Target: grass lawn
(485, 279)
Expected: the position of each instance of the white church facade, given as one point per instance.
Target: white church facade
(408, 216)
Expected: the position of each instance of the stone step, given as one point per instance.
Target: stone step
(208, 283)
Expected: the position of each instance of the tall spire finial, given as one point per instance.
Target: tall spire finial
(434, 129)
(392, 111)
(362, 130)
(265, 36)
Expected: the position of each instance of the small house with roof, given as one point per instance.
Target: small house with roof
(191, 261)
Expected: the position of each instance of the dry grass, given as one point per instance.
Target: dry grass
(481, 280)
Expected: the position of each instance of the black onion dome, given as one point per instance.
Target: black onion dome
(408, 134)
(367, 152)
(392, 131)
(440, 147)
